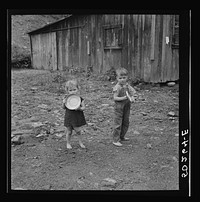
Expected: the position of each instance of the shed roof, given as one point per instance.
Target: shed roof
(47, 26)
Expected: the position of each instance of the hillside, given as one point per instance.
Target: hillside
(20, 25)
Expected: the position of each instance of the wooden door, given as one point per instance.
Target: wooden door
(48, 51)
(44, 53)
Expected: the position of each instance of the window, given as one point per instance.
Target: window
(175, 36)
(112, 36)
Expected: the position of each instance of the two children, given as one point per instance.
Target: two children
(123, 96)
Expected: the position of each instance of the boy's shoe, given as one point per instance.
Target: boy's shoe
(117, 144)
(124, 139)
(82, 145)
(69, 146)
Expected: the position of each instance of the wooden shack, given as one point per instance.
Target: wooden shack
(147, 45)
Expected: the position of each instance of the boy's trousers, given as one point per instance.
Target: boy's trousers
(121, 119)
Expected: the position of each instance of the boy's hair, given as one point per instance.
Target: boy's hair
(122, 72)
(71, 83)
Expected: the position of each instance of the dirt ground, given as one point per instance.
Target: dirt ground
(40, 160)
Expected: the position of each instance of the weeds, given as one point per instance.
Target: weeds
(24, 63)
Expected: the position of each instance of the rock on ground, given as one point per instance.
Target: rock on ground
(109, 182)
(17, 140)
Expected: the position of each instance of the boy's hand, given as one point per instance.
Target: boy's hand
(132, 99)
(128, 96)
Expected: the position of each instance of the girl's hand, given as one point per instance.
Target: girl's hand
(81, 108)
(78, 109)
(64, 100)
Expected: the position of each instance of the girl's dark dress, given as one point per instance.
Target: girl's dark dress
(74, 118)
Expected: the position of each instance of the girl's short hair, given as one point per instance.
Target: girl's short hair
(122, 72)
(71, 83)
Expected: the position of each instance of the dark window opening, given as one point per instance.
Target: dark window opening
(112, 36)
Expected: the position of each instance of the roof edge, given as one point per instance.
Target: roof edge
(47, 25)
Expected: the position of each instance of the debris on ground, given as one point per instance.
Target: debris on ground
(171, 84)
(16, 140)
(37, 130)
(109, 182)
(171, 113)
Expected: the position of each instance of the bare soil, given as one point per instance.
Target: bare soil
(41, 161)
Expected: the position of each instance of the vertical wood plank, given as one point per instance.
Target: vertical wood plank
(138, 47)
(133, 47)
(63, 49)
(39, 52)
(163, 59)
(153, 21)
(43, 52)
(35, 50)
(101, 44)
(125, 43)
(143, 22)
(66, 53)
(79, 47)
(70, 50)
(155, 64)
(47, 59)
(175, 64)
(58, 54)
(129, 43)
(85, 43)
(159, 69)
(146, 48)
(54, 51)
(168, 52)
(141, 49)
(39, 59)
(175, 57)
(103, 51)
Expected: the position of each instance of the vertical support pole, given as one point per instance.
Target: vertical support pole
(153, 23)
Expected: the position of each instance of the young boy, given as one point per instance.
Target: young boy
(123, 96)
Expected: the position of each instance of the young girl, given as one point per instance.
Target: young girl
(74, 119)
(123, 95)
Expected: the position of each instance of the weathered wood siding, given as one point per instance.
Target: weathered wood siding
(72, 44)
(136, 42)
(44, 53)
(145, 52)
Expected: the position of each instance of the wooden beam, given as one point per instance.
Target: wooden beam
(153, 30)
(54, 30)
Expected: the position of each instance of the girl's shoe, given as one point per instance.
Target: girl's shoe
(117, 144)
(69, 146)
